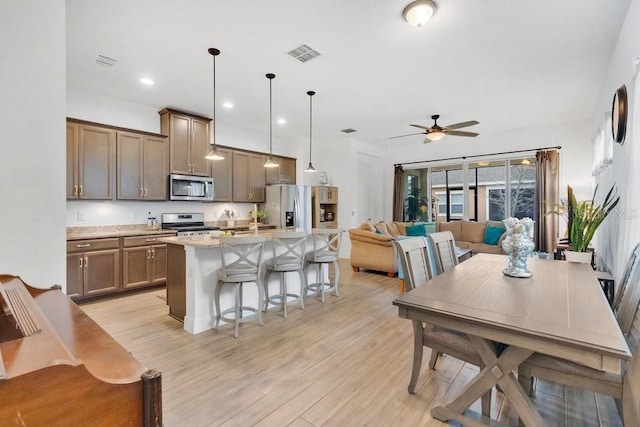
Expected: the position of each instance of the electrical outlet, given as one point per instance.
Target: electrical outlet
(81, 216)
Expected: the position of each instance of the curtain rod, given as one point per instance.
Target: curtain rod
(477, 155)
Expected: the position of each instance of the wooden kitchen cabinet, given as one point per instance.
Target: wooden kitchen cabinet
(285, 173)
(324, 207)
(93, 267)
(248, 177)
(142, 166)
(222, 174)
(144, 261)
(188, 142)
(90, 159)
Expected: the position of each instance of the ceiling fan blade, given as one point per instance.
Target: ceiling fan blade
(421, 127)
(461, 133)
(463, 124)
(410, 134)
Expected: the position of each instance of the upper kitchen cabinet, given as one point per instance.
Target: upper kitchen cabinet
(90, 158)
(142, 166)
(285, 173)
(248, 177)
(188, 142)
(222, 174)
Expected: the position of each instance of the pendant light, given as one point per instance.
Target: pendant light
(310, 168)
(270, 163)
(214, 154)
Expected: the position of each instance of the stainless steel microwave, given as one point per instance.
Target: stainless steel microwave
(187, 187)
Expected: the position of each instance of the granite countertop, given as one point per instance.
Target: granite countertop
(105, 231)
(206, 242)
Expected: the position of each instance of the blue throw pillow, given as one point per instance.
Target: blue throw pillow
(492, 234)
(379, 231)
(416, 230)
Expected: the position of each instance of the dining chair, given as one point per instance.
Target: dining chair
(624, 387)
(444, 247)
(326, 246)
(417, 268)
(288, 256)
(241, 263)
(630, 271)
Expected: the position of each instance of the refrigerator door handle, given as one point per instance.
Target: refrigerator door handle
(296, 213)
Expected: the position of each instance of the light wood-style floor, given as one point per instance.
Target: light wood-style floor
(342, 363)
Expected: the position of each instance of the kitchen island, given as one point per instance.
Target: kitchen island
(193, 267)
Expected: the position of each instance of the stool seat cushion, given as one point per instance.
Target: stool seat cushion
(284, 263)
(322, 256)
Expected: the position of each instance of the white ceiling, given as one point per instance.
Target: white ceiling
(505, 63)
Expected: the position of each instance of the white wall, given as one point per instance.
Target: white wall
(32, 117)
(621, 231)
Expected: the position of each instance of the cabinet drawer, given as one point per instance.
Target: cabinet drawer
(144, 240)
(92, 245)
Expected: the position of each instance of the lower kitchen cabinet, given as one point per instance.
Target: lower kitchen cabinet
(93, 267)
(143, 262)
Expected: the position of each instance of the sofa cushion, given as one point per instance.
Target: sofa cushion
(416, 230)
(382, 226)
(368, 226)
(392, 229)
(472, 231)
(492, 234)
(455, 227)
(401, 228)
(379, 232)
(484, 248)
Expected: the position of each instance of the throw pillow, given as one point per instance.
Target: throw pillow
(430, 227)
(379, 232)
(416, 230)
(492, 234)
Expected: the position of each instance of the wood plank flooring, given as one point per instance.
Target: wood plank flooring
(346, 362)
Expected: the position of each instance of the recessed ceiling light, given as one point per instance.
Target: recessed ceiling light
(227, 105)
(146, 81)
(281, 121)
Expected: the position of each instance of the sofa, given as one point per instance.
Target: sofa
(372, 244)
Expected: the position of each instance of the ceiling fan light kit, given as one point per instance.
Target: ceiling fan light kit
(419, 12)
(437, 132)
(214, 154)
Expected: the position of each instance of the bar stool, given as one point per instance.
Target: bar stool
(326, 245)
(241, 258)
(288, 256)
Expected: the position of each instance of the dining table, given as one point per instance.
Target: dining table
(559, 311)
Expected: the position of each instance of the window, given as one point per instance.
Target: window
(456, 203)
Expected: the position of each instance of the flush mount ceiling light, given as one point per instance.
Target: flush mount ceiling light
(214, 154)
(270, 163)
(310, 168)
(419, 12)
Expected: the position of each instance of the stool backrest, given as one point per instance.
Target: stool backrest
(326, 242)
(241, 255)
(289, 248)
(444, 246)
(415, 261)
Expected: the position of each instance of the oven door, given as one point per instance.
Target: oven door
(187, 187)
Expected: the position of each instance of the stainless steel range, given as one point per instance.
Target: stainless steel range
(186, 224)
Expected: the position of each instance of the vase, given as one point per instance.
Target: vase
(518, 245)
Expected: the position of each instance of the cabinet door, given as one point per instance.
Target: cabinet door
(72, 161)
(332, 195)
(287, 171)
(272, 175)
(129, 185)
(158, 273)
(135, 266)
(101, 272)
(221, 172)
(155, 165)
(256, 177)
(200, 145)
(179, 136)
(74, 275)
(95, 162)
(241, 188)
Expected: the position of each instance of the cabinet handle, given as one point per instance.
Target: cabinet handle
(148, 253)
(75, 190)
(141, 191)
(86, 262)
(145, 191)
(153, 254)
(81, 190)
(80, 262)
(155, 239)
(86, 245)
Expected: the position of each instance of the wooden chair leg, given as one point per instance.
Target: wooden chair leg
(433, 359)
(356, 269)
(485, 400)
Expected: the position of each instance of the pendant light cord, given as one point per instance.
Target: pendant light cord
(270, 120)
(215, 118)
(310, 122)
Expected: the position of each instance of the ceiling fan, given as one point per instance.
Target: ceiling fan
(436, 132)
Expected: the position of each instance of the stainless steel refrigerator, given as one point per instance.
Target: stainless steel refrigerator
(289, 206)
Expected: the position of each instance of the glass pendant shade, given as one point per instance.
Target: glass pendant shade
(270, 163)
(214, 154)
(310, 168)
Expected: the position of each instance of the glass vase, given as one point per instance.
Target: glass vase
(518, 245)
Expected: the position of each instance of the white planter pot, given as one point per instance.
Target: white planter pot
(581, 257)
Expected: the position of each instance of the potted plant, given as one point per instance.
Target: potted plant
(586, 217)
(260, 214)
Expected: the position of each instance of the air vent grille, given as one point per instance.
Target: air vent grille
(348, 130)
(105, 61)
(304, 53)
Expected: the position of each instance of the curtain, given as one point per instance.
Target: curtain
(547, 191)
(398, 191)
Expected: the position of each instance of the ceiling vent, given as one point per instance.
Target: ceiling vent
(304, 53)
(348, 130)
(105, 61)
